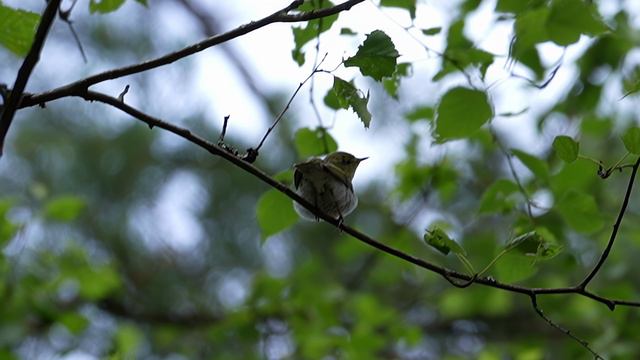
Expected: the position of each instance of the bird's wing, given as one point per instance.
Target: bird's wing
(297, 178)
(338, 174)
(306, 168)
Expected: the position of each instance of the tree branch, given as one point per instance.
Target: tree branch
(280, 16)
(614, 232)
(585, 344)
(29, 63)
(284, 110)
(197, 319)
(444, 272)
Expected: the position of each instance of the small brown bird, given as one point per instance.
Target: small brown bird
(326, 183)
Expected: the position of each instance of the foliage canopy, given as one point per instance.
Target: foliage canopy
(500, 212)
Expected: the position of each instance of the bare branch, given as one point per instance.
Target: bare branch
(210, 25)
(514, 174)
(614, 232)
(26, 69)
(65, 16)
(284, 110)
(246, 166)
(278, 16)
(580, 341)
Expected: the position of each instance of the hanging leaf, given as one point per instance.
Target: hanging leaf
(104, 6)
(631, 140)
(538, 167)
(344, 95)
(303, 35)
(566, 148)
(64, 208)
(409, 5)
(461, 112)
(275, 213)
(376, 57)
(17, 29)
(568, 19)
(314, 142)
(580, 211)
(438, 239)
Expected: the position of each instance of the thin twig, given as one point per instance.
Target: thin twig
(585, 344)
(123, 93)
(64, 15)
(224, 129)
(210, 25)
(281, 16)
(614, 232)
(312, 100)
(284, 110)
(512, 169)
(448, 274)
(442, 55)
(29, 63)
(249, 168)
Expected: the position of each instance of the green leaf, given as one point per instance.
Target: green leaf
(568, 19)
(104, 6)
(128, 339)
(313, 29)
(74, 322)
(438, 239)
(344, 95)
(460, 113)
(631, 140)
(376, 57)
(314, 142)
(432, 31)
(392, 84)
(548, 250)
(461, 53)
(526, 237)
(275, 213)
(538, 167)
(17, 29)
(496, 198)
(64, 208)
(347, 31)
(143, 3)
(512, 6)
(538, 244)
(631, 82)
(566, 148)
(530, 29)
(410, 5)
(285, 177)
(7, 228)
(420, 113)
(97, 283)
(580, 211)
(515, 266)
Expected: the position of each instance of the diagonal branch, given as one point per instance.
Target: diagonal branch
(280, 16)
(614, 232)
(442, 271)
(446, 273)
(583, 343)
(26, 69)
(284, 110)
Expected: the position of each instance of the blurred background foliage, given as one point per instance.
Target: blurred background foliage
(125, 242)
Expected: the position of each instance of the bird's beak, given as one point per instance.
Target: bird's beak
(361, 159)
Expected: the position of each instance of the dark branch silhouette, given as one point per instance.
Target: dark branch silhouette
(29, 63)
(280, 16)
(264, 177)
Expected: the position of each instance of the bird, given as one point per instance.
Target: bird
(327, 184)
